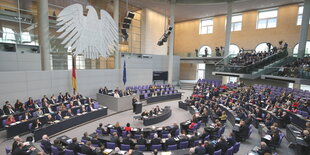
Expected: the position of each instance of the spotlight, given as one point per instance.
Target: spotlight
(126, 26)
(127, 20)
(160, 43)
(170, 28)
(130, 15)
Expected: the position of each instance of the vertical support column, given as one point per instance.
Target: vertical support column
(228, 30)
(296, 86)
(116, 19)
(304, 29)
(171, 42)
(43, 34)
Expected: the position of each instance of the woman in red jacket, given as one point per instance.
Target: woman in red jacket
(10, 120)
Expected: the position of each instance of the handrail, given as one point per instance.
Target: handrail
(223, 59)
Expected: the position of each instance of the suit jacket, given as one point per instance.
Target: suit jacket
(47, 145)
(19, 151)
(141, 141)
(96, 141)
(231, 141)
(209, 149)
(136, 152)
(57, 117)
(75, 147)
(14, 146)
(200, 150)
(170, 141)
(128, 141)
(155, 141)
(87, 150)
(222, 145)
(115, 140)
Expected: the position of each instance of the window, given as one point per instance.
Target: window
(307, 51)
(25, 37)
(233, 49)
(206, 26)
(203, 50)
(236, 23)
(305, 87)
(300, 12)
(79, 61)
(267, 19)
(8, 34)
(201, 71)
(262, 47)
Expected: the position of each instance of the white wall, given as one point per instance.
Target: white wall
(153, 27)
(35, 84)
(155, 63)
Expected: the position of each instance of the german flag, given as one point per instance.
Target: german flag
(73, 75)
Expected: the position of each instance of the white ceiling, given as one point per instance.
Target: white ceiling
(194, 9)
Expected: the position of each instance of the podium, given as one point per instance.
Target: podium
(138, 107)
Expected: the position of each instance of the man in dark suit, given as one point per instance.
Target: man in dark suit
(194, 138)
(155, 140)
(222, 145)
(8, 109)
(174, 129)
(102, 129)
(169, 141)
(101, 91)
(200, 150)
(134, 100)
(96, 141)
(128, 141)
(58, 116)
(74, 146)
(264, 149)
(115, 139)
(46, 143)
(87, 149)
(141, 140)
(231, 140)
(209, 148)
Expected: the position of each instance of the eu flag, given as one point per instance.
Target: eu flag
(124, 73)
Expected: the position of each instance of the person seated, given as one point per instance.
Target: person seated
(306, 136)
(102, 129)
(39, 112)
(231, 140)
(10, 120)
(50, 119)
(157, 109)
(209, 148)
(105, 90)
(243, 131)
(69, 113)
(8, 109)
(88, 149)
(275, 138)
(59, 147)
(115, 139)
(141, 140)
(200, 150)
(174, 129)
(74, 146)
(58, 116)
(96, 141)
(170, 141)
(223, 117)
(116, 94)
(21, 150)
(67, 96)
(49, 109)
(128, 141)
(101, 91)
(155, 140)
(62, 107)
(127, 128)
(263, 149)
(194, 138)
(203, 135)
(36, 124)
(29, 104)
(116, 151)
(53, 99)
(285, 118)
(17, 140)
(27, 115)
(145, 113)
(118, 128)
(78, 96)
(86, 137)
(36, 105)
(46, 143)
(60, 97)
(222, 145)
(19, 106)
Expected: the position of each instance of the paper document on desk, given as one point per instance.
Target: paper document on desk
(268, 137)
(165, 153)
(300, 138)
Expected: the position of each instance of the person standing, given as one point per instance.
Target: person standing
(134, 100)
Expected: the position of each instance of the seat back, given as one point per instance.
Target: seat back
(218, 152)
(141, 147)
(125, 147)
(164, 135)
(184, 145)
(157, 147)
(172, 147)
(29, 126)
(44, 149)
(99, 131)
(230, 151)
(177, 132)
(7, 150)
(69, 152)
(110, 145)
(81, 153)
(112, 131)
(55, 150)
(207, 138)
(236, 147)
